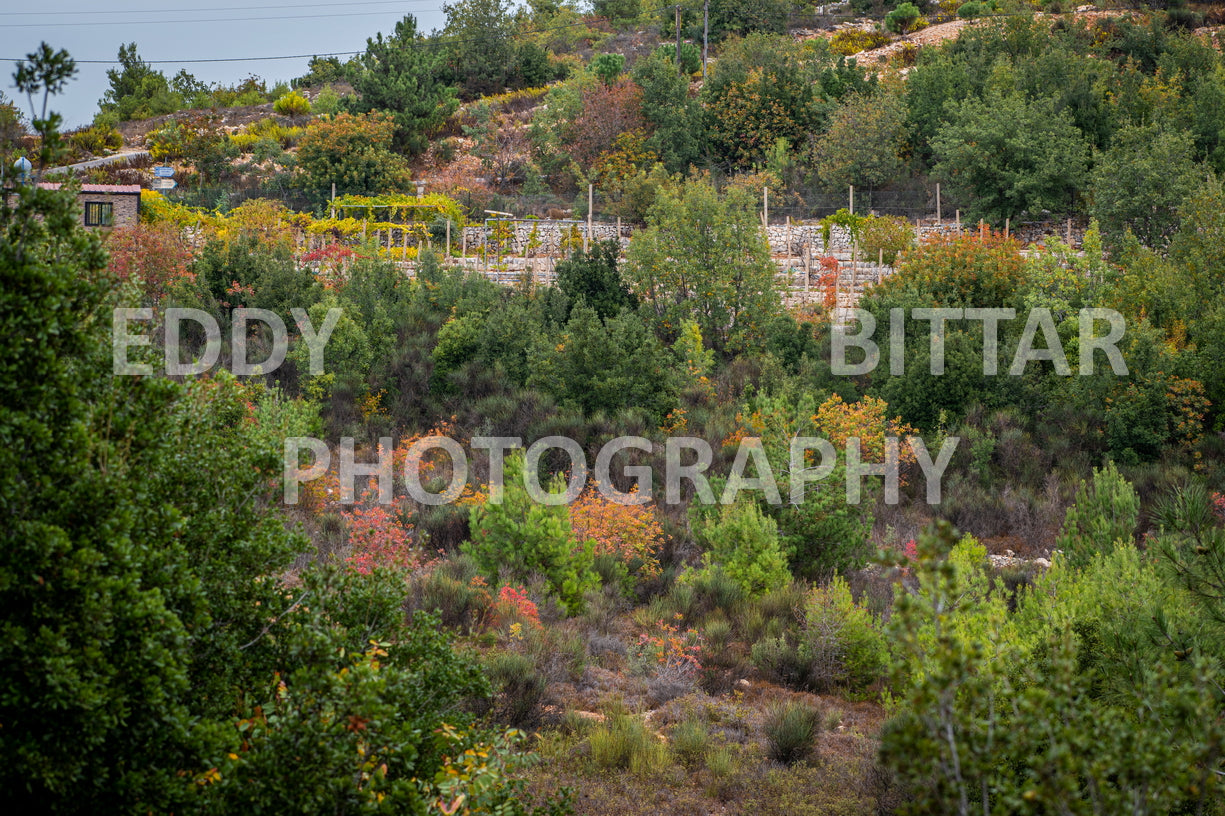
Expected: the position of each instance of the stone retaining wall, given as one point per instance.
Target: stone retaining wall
(786, 240)
(548, 236)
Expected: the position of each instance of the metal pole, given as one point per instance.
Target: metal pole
(448, 237)
(852, 199)
(705, 36)
(678, 41)
(590, 204)
(807, 264)
(938, 202)
(837, 290)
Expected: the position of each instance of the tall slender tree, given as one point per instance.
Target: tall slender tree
(402, 75)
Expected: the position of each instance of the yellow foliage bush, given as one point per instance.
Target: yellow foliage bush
(853, 40)
(245, 142)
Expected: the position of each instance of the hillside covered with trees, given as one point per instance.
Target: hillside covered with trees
(240, 572)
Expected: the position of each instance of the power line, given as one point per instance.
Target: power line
(216, 59)
(192, 22)
(193, 10)
(424, 43)
(433, 42)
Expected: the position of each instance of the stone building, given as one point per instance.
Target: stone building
(106, 205)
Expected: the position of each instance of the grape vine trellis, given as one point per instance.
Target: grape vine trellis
(400, 223)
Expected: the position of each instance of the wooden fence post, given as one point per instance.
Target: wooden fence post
(590, 206)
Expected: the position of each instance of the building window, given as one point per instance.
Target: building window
(98, 214)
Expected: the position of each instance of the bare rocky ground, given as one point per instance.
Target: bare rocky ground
(135, 132)
(941, 32)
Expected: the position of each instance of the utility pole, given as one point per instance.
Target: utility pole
(705, 36)
(678, 40)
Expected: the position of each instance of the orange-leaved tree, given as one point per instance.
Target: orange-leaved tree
(629, 532)
(868, 421)
(153, 256)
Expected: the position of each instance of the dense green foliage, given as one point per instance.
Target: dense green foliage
(177, 641)
(1088, 699)
(138, 91)
(1105, 514)
(159, 653)
(402, 76)
(701, 260)
(522, 536)
(352, 152)
(744, 543)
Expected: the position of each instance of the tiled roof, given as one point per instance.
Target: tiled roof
(96, 188)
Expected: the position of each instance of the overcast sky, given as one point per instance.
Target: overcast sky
(193, 30)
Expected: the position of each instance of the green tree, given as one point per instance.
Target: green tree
(137, 90)
(1140, 183)
(595, 276)
(729, 17)
(1105, 513)
(938, 79)
(247, 272)
(320, 71)
(954, 272)
(12, 128)
(903, 18)
(884, 237)
(352, 152)
(402, 76)
(1003, 156)
(691, 57)
(748, 117)
(763, 88)
(1087, 700)
(947, 638)
(704, 258)
(608, 67)
(89, 654)
(1193, 285)
(480, 54)
(744, 543)
(864, 142)
(675, 119)
(840, 640)
(151, 659)
(605, 364)
(524, 537)
(620, 13)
